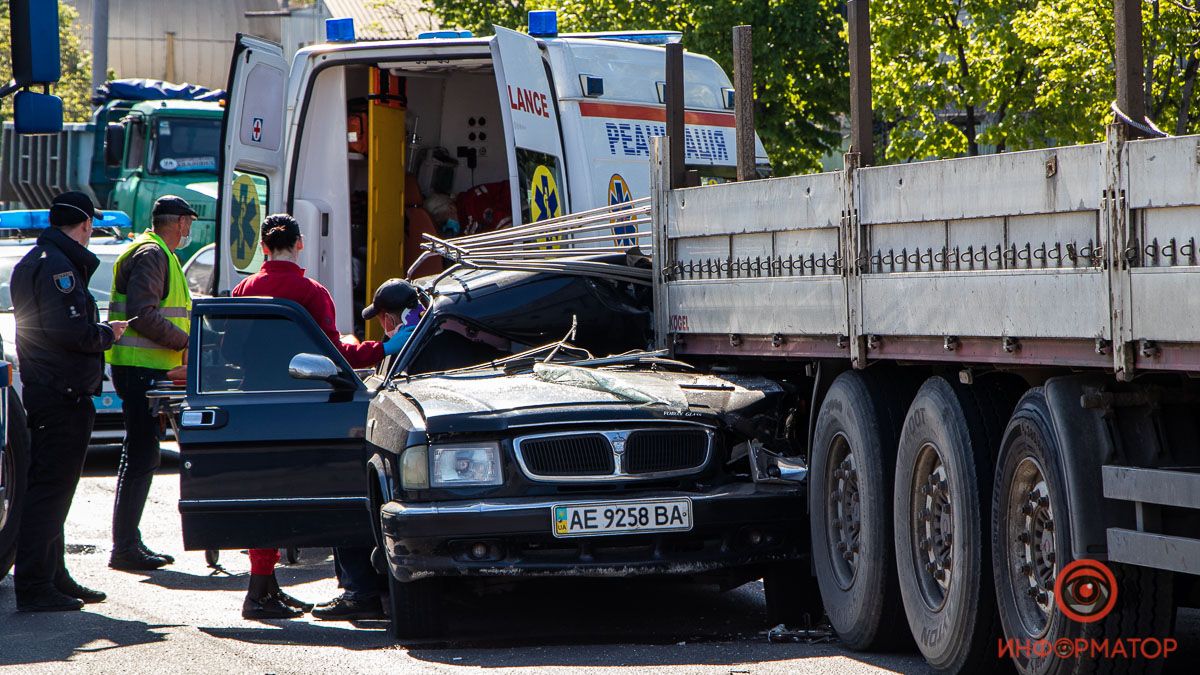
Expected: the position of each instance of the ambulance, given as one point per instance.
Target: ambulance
(370, 144)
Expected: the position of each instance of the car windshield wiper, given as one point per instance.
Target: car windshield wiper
(655, 358)
(516, 362)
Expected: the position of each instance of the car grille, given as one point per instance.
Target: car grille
(614, 455)
(665, 450)
(579, 455)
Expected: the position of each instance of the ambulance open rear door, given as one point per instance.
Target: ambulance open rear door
(536, 166)
(252, 156)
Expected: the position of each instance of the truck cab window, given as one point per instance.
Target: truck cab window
(135, 148)
(249, 353)
(181, 145)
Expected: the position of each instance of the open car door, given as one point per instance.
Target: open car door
(253, 144)
(266, 458)
(529, 108)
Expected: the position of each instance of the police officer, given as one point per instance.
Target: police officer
(60, 346)
(149, 290)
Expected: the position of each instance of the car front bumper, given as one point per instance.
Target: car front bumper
(733, 526)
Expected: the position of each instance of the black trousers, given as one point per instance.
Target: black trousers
(60, 429)
(140, 453)
(355, 573)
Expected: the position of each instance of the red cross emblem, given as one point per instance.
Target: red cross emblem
(256, 130)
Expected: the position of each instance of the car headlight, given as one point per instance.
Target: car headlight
(465, 464)
(414, 468)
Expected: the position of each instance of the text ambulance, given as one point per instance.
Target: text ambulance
(371, 144)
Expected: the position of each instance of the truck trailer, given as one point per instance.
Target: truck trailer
(1002, 354)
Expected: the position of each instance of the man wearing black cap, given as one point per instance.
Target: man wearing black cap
(60, 345)
(149, 290)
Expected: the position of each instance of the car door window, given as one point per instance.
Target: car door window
(251, 353)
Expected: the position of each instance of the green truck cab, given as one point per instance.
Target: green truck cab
(145, 139)
(160, 148)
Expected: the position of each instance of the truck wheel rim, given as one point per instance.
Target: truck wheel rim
(843, 512)
(933, 527)
(1030, 529)
(8, 471)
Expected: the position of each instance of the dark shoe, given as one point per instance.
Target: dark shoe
(346, 609)
(68, 586)
(135, 560)
(48, 600)
(145, 551)
(267, 607)
(295, 603)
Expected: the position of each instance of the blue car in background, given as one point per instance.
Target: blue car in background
(18, 233)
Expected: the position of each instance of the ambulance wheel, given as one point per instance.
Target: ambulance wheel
(212, 557)
(14, 473)
(415, 608)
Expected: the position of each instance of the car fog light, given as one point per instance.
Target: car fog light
(479, 551)
(755, 537)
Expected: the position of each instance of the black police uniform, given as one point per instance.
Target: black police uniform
(60, 348)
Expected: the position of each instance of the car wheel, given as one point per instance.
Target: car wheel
(850, 491)
(415, 608)
(941, 501)
(793, 597)
(1031, 537)
(14, 473)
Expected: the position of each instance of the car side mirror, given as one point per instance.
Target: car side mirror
(114, 144)
(317, 367)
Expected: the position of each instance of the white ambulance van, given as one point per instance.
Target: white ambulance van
(369, 144)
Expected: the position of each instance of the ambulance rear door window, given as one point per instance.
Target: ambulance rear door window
(539, 186)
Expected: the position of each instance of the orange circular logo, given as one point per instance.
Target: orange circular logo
(1085, 591)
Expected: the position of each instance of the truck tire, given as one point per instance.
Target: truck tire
(942, 495)
(1031, 543)
(415, 608)
(14, 473)
(854, 443)
(793, 598)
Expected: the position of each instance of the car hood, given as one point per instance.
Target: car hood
(491, 402)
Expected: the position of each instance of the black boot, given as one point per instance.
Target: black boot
(260, 603)
(67, 586)
(286, 599)
(47, 600)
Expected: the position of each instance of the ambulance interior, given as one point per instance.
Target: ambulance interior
(425, 153)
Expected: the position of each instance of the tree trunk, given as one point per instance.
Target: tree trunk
(1185, 98)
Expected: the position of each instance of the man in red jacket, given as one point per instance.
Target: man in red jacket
(281, 277)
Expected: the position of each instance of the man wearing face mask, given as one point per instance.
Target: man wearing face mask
(60, 344)
(150, 291)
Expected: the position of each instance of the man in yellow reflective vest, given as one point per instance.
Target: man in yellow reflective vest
(150, 291)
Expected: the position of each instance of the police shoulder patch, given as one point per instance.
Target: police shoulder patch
(65, 282)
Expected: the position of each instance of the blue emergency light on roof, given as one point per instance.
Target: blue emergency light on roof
(340, 29)
(39, 219)
(444, 34)
(641, 37)
(543, 23)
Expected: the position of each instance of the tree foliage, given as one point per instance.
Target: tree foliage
(955, 77)
(75, 85)
(799, 55)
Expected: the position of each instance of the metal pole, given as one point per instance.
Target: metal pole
(99, 43)
(1128, 53)
(674, 101)
(858, 16)
(743, 108)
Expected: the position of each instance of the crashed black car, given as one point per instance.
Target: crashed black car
(491, 448)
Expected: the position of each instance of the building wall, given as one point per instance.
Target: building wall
(204, 32)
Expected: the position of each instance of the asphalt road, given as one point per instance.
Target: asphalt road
(186, 618)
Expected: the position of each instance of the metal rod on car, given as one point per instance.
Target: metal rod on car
(743, 101)
(628, 209)
(862, 141)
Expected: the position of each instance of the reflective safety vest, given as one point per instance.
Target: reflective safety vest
(135, 349)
